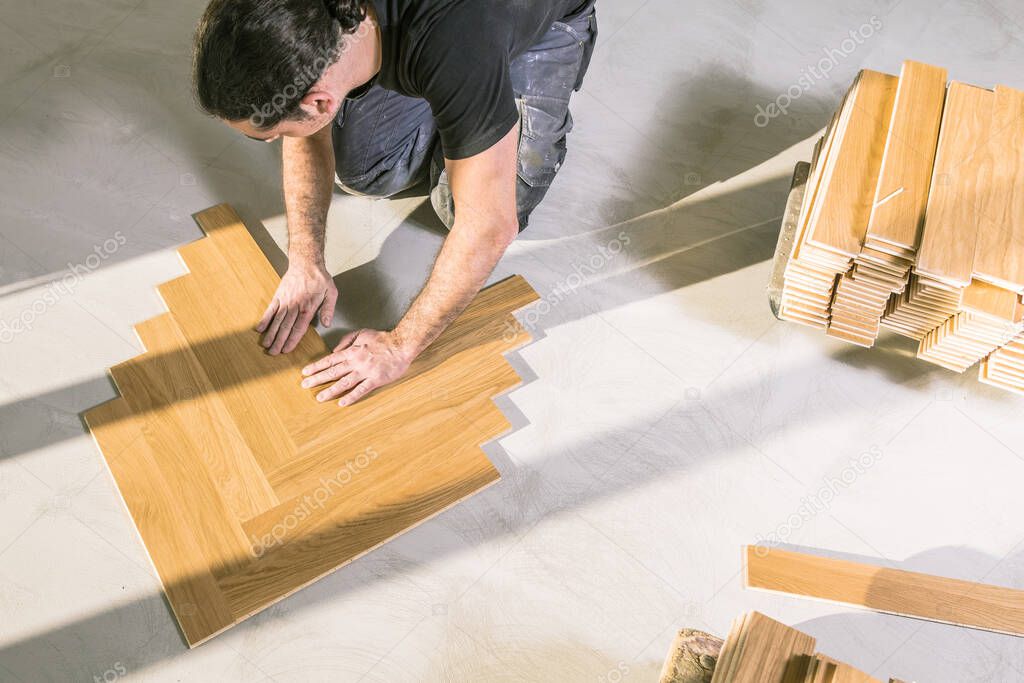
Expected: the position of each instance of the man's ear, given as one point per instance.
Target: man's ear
(317, 102)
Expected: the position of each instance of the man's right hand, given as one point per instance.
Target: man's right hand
(305, 289)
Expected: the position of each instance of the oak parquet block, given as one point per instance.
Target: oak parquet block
(897, 216)
(953, 215)
(999, 256)
(242, 486)
(894, 591)
(840, 216)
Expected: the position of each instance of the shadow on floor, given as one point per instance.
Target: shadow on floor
(674, 243)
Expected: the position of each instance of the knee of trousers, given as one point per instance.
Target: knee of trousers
(538, 164)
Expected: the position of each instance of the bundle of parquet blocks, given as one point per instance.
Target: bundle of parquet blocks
(912, 219)
(762, 650)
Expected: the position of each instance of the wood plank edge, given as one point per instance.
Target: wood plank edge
(178, 619)
(830, 601)
(865, 608)
(206, 216)
(250, 613)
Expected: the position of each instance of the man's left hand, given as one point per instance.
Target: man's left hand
(363, 361)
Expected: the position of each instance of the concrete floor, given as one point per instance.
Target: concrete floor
(666, 419)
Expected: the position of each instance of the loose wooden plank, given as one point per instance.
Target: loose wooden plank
(897, 215)
(730, 647)
(823, 152)
(987, 299)
(844, 673)
(762, 650)
(958, 186)
(999, 256)
(840, 216)
(893, 591)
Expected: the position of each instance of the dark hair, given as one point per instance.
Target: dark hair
(256, 59)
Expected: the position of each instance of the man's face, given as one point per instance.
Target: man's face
(289, 129)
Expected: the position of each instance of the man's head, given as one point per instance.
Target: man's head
(270, 67)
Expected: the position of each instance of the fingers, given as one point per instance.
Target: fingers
(299, 329)
(340, 387)
(284, 328)
(327, 307)
(275, 324)
(336, 371)
(347, 340)
(268, 315)
(320, 365)
(360, 390)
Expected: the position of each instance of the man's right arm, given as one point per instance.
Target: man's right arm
(307, 287)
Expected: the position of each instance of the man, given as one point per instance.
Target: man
(472, 95)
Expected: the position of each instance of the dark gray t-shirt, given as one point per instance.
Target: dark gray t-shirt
(455, 54)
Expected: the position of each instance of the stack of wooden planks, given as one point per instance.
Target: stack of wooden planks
(762, 650)
(912, 219)
(242, 486)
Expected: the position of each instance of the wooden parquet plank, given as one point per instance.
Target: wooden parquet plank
(195, 414)
(363, 523)
(762, 650)
(986, 298)
(254, 386)
(156, 389)
(902, 193)
(225, 230)
(376, 418)
(193, 593)
(999, 256)
(243, 487)
(465, 404)
(894, 591)
(840, 215)
(953, 217)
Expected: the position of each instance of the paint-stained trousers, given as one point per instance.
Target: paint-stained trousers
(385, 142)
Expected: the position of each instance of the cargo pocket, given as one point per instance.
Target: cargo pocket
(544, 122)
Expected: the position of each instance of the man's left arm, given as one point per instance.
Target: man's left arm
(484, 190)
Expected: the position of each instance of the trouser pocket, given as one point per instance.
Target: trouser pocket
(544, 123)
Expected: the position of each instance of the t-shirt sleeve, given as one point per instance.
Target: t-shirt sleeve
(464, 75)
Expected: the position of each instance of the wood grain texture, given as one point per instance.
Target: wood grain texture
(958, 187)
(897, 215)
(242, 486)
(840, 215)
(762, 650)
(893, 591)
(999, 255)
